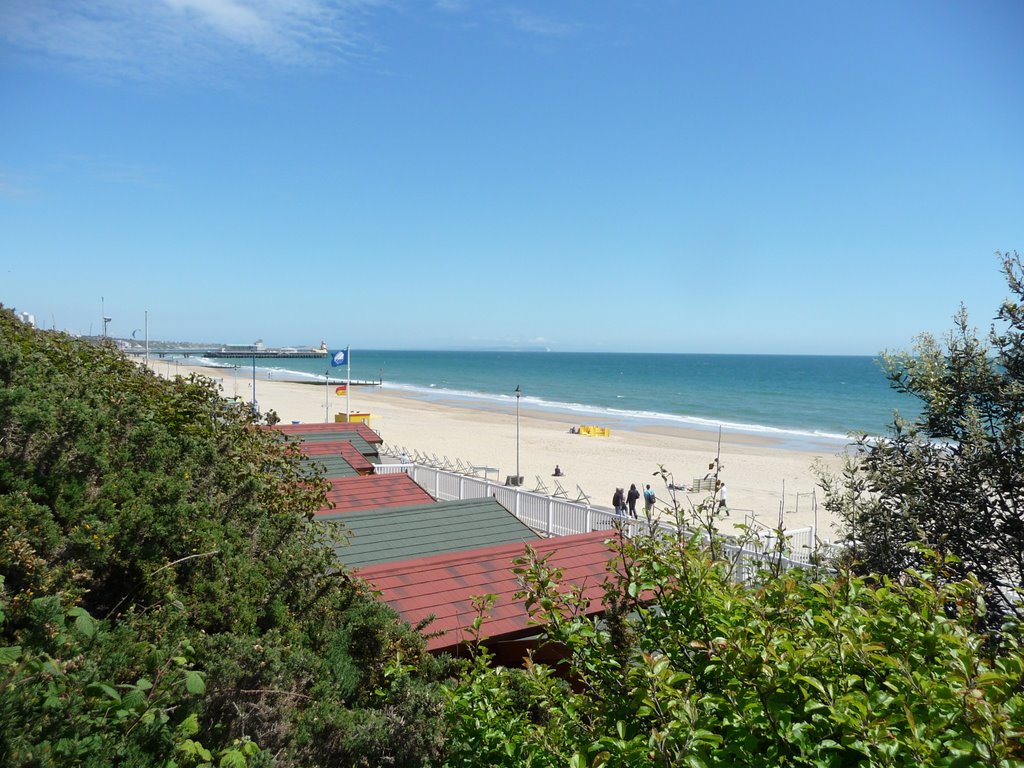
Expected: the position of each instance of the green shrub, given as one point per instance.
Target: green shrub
(183, 530)
(697, 670)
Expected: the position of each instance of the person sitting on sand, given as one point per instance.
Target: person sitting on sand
(558, 471)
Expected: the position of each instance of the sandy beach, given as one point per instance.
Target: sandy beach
(763, 477)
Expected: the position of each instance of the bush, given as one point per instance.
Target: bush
(690, 668)
(182, 531)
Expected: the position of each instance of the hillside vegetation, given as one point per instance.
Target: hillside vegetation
(165, 599)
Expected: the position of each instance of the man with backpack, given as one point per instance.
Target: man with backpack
(648, 499)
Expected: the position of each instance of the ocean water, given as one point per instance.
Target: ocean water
(795, 398)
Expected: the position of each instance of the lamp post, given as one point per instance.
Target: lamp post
(255, 410)
(519, 393)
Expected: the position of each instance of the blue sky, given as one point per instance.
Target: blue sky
(653, 176)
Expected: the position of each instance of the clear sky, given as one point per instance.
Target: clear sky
(785, 177)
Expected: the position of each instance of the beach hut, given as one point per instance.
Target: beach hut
(350, 494)
(421, 530)
(443, 586)
(341, 458)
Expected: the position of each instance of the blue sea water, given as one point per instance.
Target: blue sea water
(792, 397)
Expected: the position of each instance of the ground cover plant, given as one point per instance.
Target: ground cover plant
(164, 599)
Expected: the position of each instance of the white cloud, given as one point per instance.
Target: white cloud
(512, 16)
(234, 20)
(536, 24)
(168, 38)
(453, 6)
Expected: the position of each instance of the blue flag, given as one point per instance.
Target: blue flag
(339, 357)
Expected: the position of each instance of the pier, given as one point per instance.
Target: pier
(237, 353)
(166, 353)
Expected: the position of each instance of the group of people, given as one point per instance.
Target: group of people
(624, 501)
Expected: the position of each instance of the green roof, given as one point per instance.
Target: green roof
(406, 533)
(335, 466)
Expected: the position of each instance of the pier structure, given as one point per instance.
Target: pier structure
(238, 354)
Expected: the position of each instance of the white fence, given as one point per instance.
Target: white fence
(554, 516)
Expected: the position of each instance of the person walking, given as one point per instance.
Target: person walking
(722, 498)
(618, 503)
(631, 498)
(648, 500)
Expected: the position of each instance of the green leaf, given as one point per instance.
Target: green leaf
(84, 623)
(10, 654)
(102, 689)
(189, 726)
(194, 683)
(813, 682)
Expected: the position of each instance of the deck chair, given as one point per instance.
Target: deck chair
(461, 468)
(541, 487)
(582, 496)
(702, 484)
(447, 466)
(560, 492)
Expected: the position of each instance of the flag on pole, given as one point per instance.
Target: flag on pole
(341, 390)
(340, 357)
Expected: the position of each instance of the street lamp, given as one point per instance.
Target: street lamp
(519, 393)
(255, 410)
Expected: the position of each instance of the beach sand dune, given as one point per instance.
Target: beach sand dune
(765, 479)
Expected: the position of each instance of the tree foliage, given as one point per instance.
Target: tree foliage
(165, 597)
(690, 668)
(954, 477)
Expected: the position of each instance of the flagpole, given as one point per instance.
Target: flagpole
(327, 393)
(348, 382)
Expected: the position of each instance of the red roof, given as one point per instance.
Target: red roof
(336, 426)
(344, 448)
(443, 585)
(374, 491)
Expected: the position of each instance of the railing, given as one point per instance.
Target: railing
(552, 516)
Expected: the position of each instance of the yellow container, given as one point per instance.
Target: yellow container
(361, 418)
(595, 431)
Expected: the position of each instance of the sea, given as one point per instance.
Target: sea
(799, 400)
